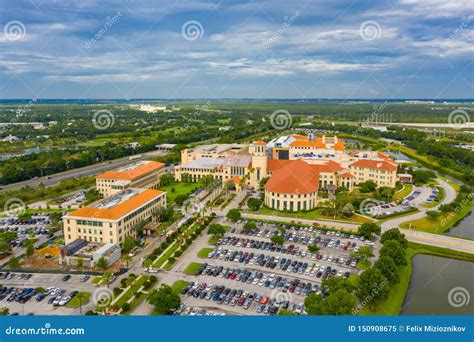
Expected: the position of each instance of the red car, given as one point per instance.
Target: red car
(265, 300)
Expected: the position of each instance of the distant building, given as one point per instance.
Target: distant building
(113, 218)
(151, 109)
(142, 174)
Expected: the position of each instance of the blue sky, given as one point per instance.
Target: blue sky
(236, 49)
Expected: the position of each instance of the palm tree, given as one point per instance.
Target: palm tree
(126, 259)
(82, 297)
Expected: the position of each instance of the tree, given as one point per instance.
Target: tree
(388, 268)
(433, 215)
(5, 247)
(101, 263)
(373, 287)
(4, 311)
(216, 230)
(394, 234)
(385, 193)
(254, 203)
(394, 250)
(367, 229)
(180, 199)
(147, 263)
(364, 253)
(163, 214)
(286, 312)
(80, 263)
(312, 304)
(128, 244)
(166, 179)
(82, 297)
(126, 259)
(250, 226)
(368, 186)
(333, 284)
(13, 262)
(30, 250)
(164, 300)
(312, 248)
(340, 302)
(263, 181)
(234, 215)
(422, 176)
(139, 226)
(278, 240)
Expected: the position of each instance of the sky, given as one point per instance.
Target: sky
(304, 49)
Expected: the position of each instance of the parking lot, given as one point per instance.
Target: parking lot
(245, 273)
(37, 226)
(19, 293)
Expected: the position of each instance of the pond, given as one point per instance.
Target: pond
(465, 228)
(440, 286)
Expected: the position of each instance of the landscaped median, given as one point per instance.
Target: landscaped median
(131, 292)
(81, 298)
(192, 268)
(203, 253)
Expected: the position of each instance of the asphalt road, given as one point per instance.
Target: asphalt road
(82, 172)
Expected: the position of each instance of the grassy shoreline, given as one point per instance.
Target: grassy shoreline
(394, 303)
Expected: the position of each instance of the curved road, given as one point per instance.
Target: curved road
(449, 196)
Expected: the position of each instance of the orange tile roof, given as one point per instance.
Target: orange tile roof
(259, 142)
(339, 145)
(119, 210)
(235, 179)
(383, 155)
(346, 175)
(274, 164)
(375, 164)
(132, 174)
(295, 177)
(330, 166)
(299, 136)
(318, 143)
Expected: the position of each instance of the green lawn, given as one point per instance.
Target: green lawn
(404, 192)
(433, 226)
(213, 240)
(178, 286)
(203, 253)
(180, 188)
(192, 268)
(74, 303)
(311, 215)
(166, 256)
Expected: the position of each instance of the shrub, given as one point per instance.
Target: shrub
(126, 307)
(118, 290)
